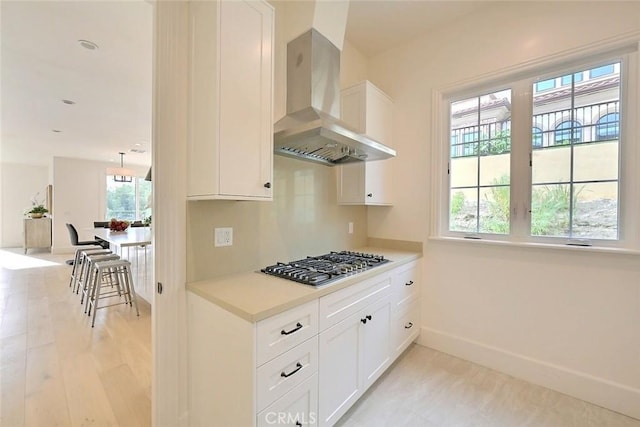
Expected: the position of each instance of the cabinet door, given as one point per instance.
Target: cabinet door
(339, 366)
(351, 184)
(369, 111)
(245, 126)
(375, 340)
(406, 327)
(297, 408)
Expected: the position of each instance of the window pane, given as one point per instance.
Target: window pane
(464, 172)
(536, 137)
(596, 162)
(494, 209)
(463, 208)
(575, 179)
(608, 127)
(550, 210)
(596, 211)
(121, 200)
(601, 71)
(480, 138)
(551, 165)
(144, 199)
(545, 85)
(494, 169)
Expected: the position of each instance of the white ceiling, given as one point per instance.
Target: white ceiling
(43, 64)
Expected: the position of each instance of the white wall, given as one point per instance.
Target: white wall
(79, 197)
(569, 320)
(20, 183)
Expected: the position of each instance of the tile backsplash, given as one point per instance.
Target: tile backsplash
(303, 219)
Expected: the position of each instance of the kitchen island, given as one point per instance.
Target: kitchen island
(262, 347)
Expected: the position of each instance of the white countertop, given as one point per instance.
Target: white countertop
(254, 296)
(132, 236)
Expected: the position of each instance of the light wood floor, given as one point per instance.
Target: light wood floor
(55, 370)
(427, 388)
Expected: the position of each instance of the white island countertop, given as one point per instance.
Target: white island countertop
(254, 296)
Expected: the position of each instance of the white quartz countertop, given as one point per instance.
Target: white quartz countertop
(254, 296)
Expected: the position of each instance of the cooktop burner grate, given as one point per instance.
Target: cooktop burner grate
(323, 269)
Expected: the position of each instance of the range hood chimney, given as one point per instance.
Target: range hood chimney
(311, 130)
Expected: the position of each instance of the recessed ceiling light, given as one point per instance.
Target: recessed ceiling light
(56, 130)
(88, 44)
(68, 101)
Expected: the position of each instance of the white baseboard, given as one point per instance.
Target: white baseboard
(608, 394)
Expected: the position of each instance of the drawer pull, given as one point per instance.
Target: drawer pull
(408, 327)
(365, 318)
(409, 283)
(298, 367)
(298, 424)
(297, 328)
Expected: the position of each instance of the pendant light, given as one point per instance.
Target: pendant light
(121, 174)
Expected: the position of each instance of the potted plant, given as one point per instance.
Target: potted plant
(38, 211)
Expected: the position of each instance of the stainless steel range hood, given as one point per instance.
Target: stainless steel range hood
(311, 130)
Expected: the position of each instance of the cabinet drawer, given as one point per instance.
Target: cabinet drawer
(406, 326)
(299, 407)
(406, 283)
(282, 332)
(282, 374)
(345, 302)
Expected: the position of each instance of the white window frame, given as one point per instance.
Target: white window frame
(521, 79)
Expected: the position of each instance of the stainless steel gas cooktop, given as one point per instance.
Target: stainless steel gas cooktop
(323, 269)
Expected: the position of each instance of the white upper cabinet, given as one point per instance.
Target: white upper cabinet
(231, 84)
(369, 111)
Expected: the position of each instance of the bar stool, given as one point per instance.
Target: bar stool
(77, 262)
(121, 269)
(78, 277)
(85, 281)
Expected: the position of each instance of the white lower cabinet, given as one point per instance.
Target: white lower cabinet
(376, 340)
(297, 408)
(305, 366)
(353, 354)
(340, 382)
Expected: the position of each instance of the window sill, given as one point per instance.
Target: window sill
(561, 247)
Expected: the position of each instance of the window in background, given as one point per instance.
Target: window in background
(608, 127)
(568, 132)
(545, 85)
(129, 201)
(601, 71)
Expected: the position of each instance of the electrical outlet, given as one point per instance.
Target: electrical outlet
(350, 228)
(223, 236)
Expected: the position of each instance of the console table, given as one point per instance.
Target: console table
(37, 233)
